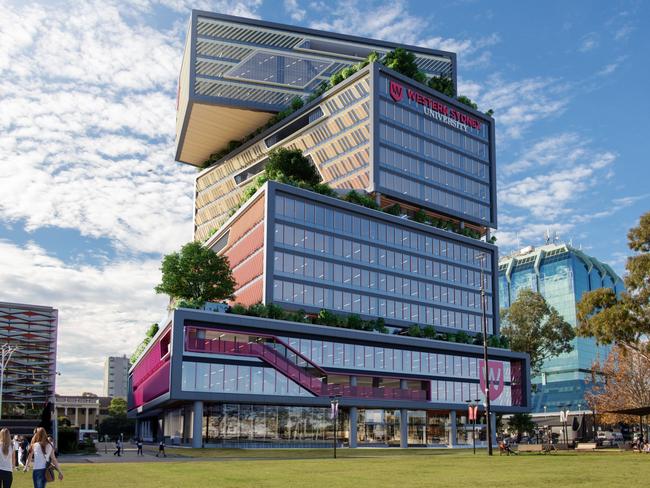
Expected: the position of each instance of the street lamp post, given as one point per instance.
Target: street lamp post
(334, 403)
(473, 408)
(488, 418)
(6, 351)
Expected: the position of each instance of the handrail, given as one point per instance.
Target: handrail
(295, 371)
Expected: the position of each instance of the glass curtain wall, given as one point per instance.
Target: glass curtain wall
(271, 425)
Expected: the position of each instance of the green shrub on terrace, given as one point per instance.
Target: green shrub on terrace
(361, 199)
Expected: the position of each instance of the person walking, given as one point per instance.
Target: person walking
(7, 460)
(118, 448)
(15, 445)
(41, 453)
(161, 449)
(138, 443)
(24, 448)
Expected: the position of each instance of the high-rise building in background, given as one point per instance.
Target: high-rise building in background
(225, 379)
(561, 273)
(116, 372)
(30, 375)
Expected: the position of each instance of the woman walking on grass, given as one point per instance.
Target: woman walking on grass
(42, 454)
(7, 461)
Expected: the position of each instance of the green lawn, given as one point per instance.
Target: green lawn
(369, 468)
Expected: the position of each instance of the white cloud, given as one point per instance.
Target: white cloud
(102, 311)
(589, 42)
(87, 131)
(560, 172)
(295, 11)
(392, 21)
(517, 104)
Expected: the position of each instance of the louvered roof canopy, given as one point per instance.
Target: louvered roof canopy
(237, 72)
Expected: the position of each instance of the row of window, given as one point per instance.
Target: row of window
(377, 358)
(230, 378)
(319, 297)
(330, 246)
(411, 113)
(418, 168)
(328, 274)
(340, 221)
(459, 392)
(426, 193)
(428, 131)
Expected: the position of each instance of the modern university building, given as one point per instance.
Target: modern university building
(222, 379)
(561, 273)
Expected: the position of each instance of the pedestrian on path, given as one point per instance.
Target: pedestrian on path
(161, 449)
(118, 448)
(139, 444)
(7, 460)
(42, 454)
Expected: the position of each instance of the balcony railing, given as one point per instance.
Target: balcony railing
(294, 365)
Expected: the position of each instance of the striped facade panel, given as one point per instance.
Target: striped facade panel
(150, 377)
(249, 269)
(246, 246)
(338, 143)
(251, 293)
(30, 373)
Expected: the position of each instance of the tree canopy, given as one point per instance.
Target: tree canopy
(624, 319)
(291, 164)
(196, 274)
(622, 381)
(534, 327)
(117, 408)
(520, 423)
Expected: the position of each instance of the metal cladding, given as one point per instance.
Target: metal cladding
(30, 375)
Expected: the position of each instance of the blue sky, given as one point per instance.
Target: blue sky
(90, 195)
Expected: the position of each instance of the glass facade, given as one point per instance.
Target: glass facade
(561, 274)
(433, 163)
(238, 378)
(271, 425)
(325, 257)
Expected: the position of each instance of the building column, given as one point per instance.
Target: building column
(76, 416)
(493, 425)
(87, 410)
(452, 429)
(403, 420)
(403, 427)
(353, 427)
(197, 425)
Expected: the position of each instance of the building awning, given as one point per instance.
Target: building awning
(640, 411)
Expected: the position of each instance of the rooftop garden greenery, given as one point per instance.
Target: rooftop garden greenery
(353, 321)
(400, 60)
(196, 275)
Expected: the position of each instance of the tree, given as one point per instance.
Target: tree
(623, 319)
(521, 423)
(532, 326)
(622, 381)
(443, 84)
(151, 331)
(467, 101)
(196, 274)
(114, 426)
(291, 164)
(117, 408)
(404, 62)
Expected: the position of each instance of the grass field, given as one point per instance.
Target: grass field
(366, 468)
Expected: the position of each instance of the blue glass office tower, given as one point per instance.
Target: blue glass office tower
(561, 273)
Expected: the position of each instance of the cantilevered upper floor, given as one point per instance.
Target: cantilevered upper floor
(379, 132)
(237, 72)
